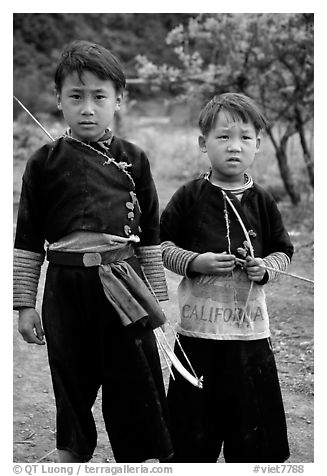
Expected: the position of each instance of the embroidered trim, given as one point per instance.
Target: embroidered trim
(248, 183)
(27, 269)
(150, 258)
(109, 160)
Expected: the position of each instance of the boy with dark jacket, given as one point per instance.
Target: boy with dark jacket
(91, 198)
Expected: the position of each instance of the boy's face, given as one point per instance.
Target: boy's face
(231, 146)
(89, 106)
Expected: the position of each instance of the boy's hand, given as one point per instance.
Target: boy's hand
(213, 263)
(253, 268)
(30, 327)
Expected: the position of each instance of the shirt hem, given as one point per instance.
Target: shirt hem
(202, 335)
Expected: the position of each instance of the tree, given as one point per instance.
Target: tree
(266, 56)
(39, 38)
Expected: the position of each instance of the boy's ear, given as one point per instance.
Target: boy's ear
(202, 144)
(258, 142)
(118, 101)
(59, 102)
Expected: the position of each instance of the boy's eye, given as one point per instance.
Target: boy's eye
(100, 96)
(75, 96)
(223, 136)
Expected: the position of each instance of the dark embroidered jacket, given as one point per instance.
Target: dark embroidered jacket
(194, 220)
(66, 187)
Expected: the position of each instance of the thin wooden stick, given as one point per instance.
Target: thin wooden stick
(197, 382)
(45, 456)
(181, 348)
(23, 442)
(164, 356)
(247, 236)
(242, 261)
(248, 239)
(193, 379)
(34, 119)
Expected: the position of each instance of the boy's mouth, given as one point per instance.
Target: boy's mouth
(233, 159)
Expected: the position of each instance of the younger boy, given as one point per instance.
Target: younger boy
(91, 197)
(219, 231)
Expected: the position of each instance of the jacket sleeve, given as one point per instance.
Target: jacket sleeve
(172, 218)
(29, 239)
(279, 238)
(280, 250)
(148, 251)
(175, 257)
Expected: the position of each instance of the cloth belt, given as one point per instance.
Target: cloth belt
(67, 258)
(124, 289)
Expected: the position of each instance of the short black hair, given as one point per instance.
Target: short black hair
(237, 105)
(80, 56)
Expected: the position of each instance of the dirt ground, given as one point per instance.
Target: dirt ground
(290, 304)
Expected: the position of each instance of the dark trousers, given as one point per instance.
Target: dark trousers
(89, 348)
(240, 407)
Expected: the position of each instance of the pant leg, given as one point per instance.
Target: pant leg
(197, 436)
(256, 426)
(133, 399)
(240, 404)
(71, 326)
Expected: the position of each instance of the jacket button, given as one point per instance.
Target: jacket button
(127, 230)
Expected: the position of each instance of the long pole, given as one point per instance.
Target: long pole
(34, 119)
(242, 261)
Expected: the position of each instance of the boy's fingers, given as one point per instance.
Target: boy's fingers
(250, 262)
(32, 334)
(39, 336)
(31, 338)
(225, 257)
(36, 340)
(228, 264)
(39, 330)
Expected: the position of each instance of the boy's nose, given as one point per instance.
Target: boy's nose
(87, 108)
(235, 144)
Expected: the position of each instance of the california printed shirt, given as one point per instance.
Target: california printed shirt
(193, 222)
(213, 307)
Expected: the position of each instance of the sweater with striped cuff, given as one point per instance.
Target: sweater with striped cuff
(278, 261)
(178, 260)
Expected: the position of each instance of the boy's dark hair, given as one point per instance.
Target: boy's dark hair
(80, 56)
(238, 106)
